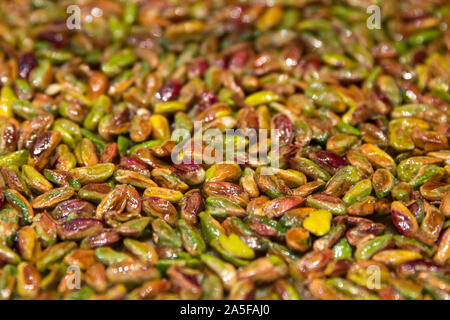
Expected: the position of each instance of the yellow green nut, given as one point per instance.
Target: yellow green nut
(234, 245)
(318, 222)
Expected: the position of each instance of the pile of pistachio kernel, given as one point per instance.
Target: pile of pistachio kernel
(93, 205)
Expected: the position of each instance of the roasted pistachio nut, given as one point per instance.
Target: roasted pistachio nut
(225, 150)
